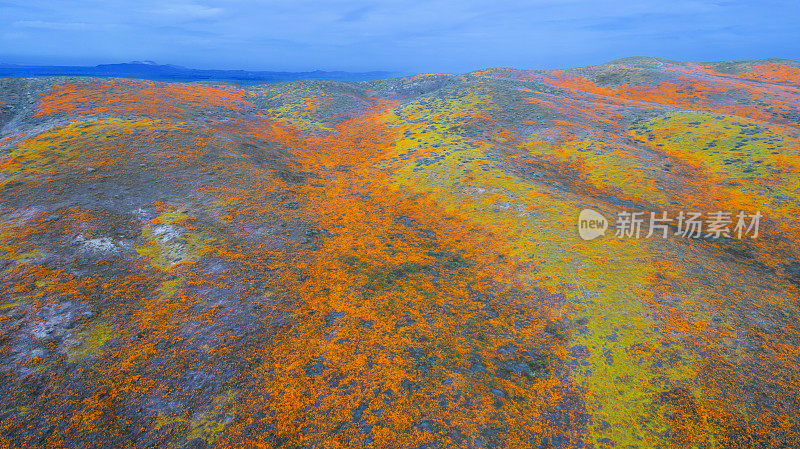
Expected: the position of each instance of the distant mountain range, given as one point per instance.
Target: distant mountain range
(152, 71)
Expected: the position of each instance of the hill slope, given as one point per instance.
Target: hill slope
(149, 70)
(397, 263)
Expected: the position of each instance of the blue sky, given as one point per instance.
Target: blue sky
(442, 36)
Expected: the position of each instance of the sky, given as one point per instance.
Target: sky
(431, 36)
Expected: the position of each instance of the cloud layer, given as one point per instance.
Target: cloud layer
(409, 36)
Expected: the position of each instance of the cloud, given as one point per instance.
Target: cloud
(188, 10)
(403, 35)
(356, 14)
(62, 26)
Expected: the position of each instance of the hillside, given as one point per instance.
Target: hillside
(397, 263)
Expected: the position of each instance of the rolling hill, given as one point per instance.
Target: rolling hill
(397, 263)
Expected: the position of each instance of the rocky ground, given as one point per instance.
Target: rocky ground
(396, 263)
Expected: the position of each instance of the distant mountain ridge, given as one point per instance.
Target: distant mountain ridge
(150, 70)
